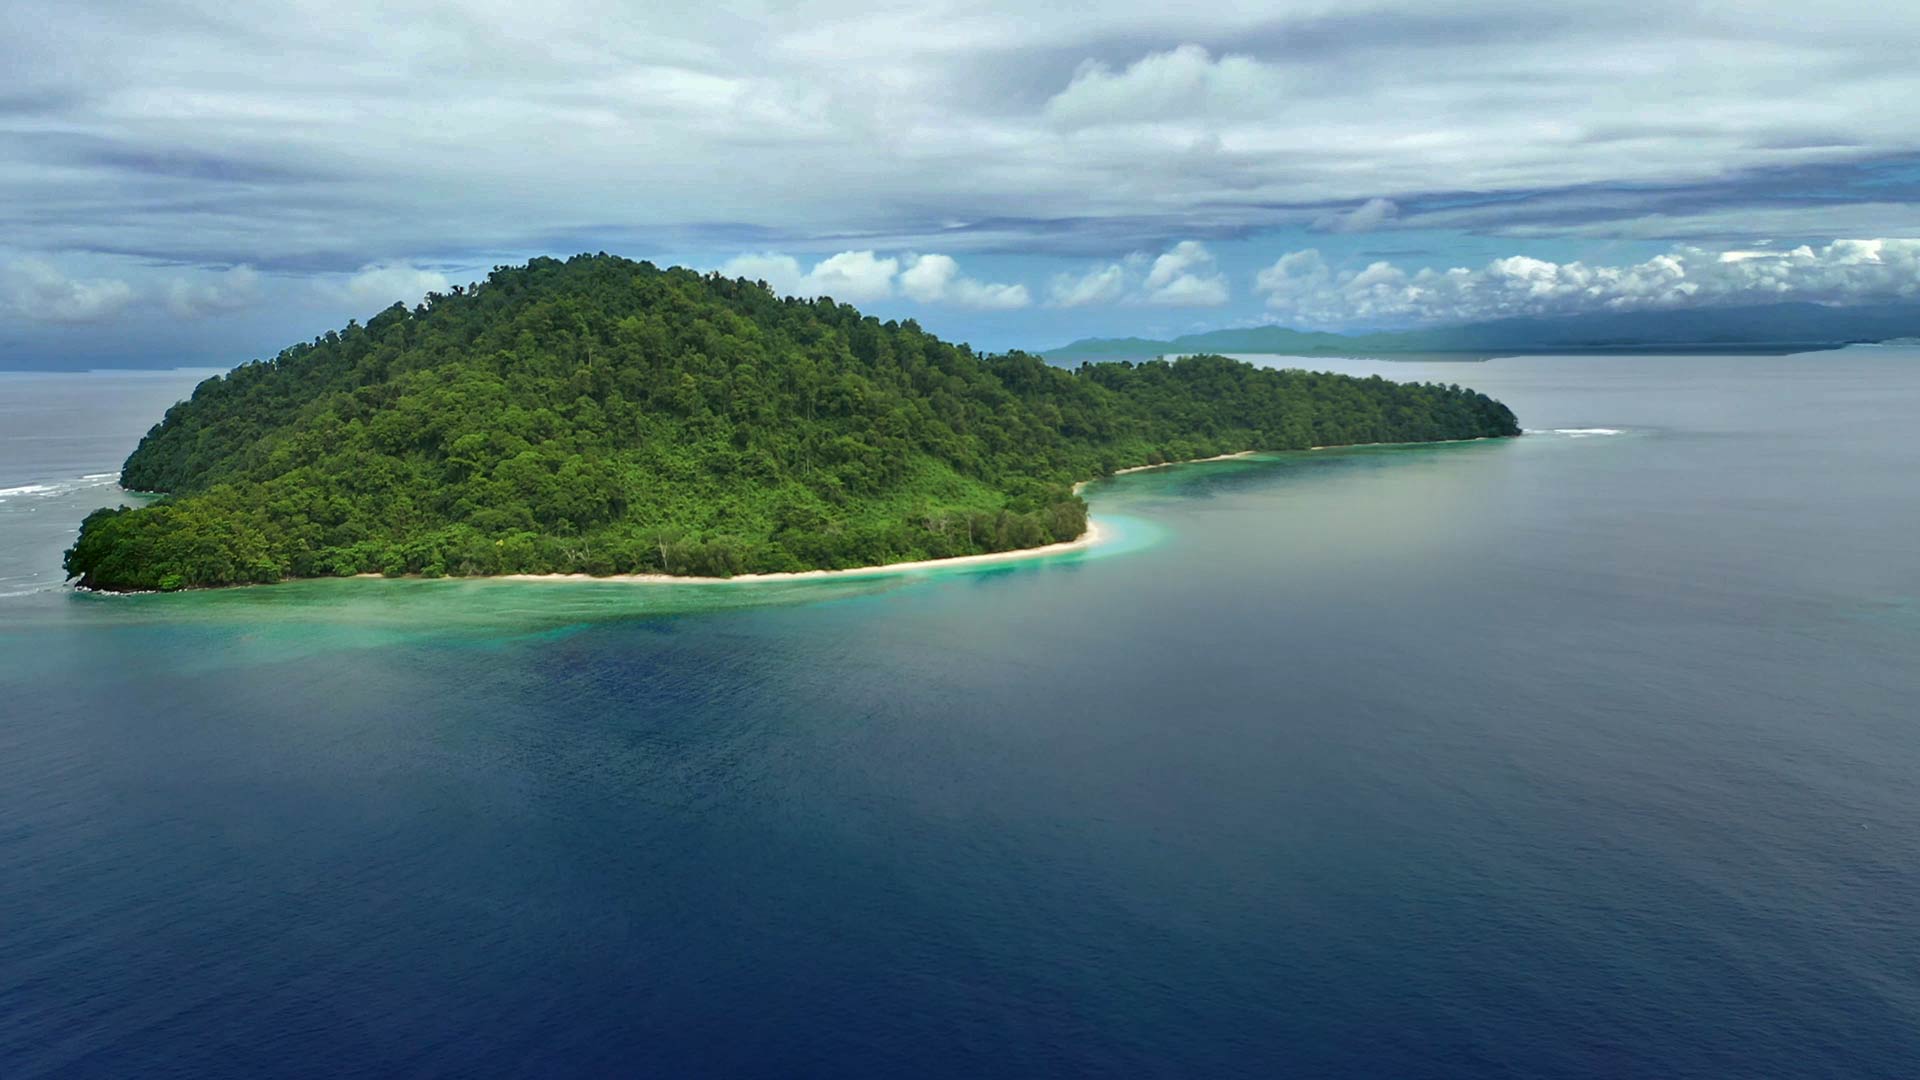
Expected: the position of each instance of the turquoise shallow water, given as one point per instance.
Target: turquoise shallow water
(1582, 754)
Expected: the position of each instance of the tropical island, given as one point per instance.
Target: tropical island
(603, 416)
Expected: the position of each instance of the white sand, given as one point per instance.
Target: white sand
(1189, 461)
(1094, 535)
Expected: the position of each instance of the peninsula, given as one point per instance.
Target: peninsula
(601, 416)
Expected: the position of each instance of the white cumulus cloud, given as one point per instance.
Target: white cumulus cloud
(859, 276)
(1102, 285)
(850, 276)
(1186, 276)
(385, 284)
(853, 275)
(935, 279)
(1304, 287)
(38, 290)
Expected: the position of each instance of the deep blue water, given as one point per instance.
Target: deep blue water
(1577, 755)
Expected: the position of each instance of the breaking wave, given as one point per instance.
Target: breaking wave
(28, 489)
(41, 490)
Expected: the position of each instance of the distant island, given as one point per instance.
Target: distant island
(1762, 328)
(604, 416)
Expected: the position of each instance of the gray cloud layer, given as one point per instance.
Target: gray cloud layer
(340, 134)
(386, 147)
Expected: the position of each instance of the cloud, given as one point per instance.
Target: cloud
(1304, 287)
(38, 290)
(853, 276)
(1366, 217)
(850, 276)
(1102, 285)
(384, 284)
(1186, 276)
(860, 276)
(781, 272)
(1042, 134)
(217, 294)
(249, 139)
(935, 279)
(1726, 222)
(1161, 86)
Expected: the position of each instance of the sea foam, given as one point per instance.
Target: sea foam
(1574, 432)
(56, 487)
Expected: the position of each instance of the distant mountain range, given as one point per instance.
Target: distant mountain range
(1770, 328)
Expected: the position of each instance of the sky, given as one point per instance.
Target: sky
(198, 183)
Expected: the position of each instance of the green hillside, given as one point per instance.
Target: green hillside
(599, 415)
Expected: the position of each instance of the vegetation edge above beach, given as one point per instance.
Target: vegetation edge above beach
(601, 416)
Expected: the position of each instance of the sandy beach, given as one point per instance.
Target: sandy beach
(1189, 461)
(1094, 535)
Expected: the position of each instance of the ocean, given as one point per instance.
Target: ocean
(1592, 753)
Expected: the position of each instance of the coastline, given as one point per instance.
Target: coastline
(1094, 535)
(1170, 464)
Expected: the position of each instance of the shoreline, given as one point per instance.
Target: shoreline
(1094, 535)
(1170, 464)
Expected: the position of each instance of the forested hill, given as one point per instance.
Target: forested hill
(600, 415)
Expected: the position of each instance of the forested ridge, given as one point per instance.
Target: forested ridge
(601, 416)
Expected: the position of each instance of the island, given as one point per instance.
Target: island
(603, 416)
